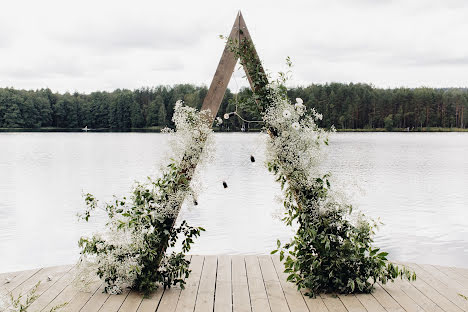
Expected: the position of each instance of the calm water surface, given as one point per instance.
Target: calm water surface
(417, 183)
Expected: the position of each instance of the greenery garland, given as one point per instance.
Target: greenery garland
(132, 250)
(330, 251)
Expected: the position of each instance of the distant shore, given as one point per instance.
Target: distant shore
(158, 129)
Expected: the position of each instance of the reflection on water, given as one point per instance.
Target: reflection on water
(415, 182)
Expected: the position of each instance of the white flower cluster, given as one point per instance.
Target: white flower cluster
(115, 254)
(296, 143)
(192, 146)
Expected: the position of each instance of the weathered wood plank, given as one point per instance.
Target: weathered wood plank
(206, 291)
(461, 271)
(406, 302)
(459, 278)
(188, 296)
(20, 278)
(315, 304)
(422, 300)
(53, 290)
(293, 297)
(351, 303)
(333, 303)
(387, 301)
(222, 75)
(370, 303)
(114, 302)
(258, 295)
(42, 277)
(441, 276)
(6, 278)
(82, 297)
(448, 292)
(240, 287)
(223, 294)
(169, 299)
(132, 302)
(435, 296)
(273, 288)
(151, 303)
(247, 284)
(96, 301)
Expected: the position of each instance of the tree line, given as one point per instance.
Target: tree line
(346, 106)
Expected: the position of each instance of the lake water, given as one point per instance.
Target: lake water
(417, 183)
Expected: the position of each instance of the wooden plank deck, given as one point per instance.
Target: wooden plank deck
(245, 284)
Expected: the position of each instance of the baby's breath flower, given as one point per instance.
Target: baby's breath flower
(296, 126)
(117, 255)
(286, 113)
(219, 120)
(299, 101)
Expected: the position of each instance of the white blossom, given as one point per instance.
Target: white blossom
(286, 113)
(299, 101)
(118, 249)
(219, 120)
(301, 149)
(226, 116)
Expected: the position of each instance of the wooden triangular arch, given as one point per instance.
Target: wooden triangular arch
(227, 63)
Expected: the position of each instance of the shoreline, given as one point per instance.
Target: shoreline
(158, 129)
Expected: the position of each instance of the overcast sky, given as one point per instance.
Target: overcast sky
(103, 45)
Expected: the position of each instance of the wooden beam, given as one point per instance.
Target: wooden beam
(226, 66)
(222, 75)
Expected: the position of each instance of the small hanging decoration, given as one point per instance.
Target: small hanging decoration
(252, 158)
(225, 184)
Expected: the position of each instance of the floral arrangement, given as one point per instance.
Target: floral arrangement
(332, 248)
(132, 252)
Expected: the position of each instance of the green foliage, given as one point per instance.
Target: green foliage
(389, 122)
(329, 253)
(154, 231)
(346, 106)
(22, 303)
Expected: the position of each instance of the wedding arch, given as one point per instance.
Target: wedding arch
(330, 251)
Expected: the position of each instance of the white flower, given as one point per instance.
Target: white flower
(286, 113)
(285, 133)
(296, 126)
(219, 120)
(226, 116)
(300, 108)
(178, 104)
(299, 101)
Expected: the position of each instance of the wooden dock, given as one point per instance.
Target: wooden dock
(242, 284)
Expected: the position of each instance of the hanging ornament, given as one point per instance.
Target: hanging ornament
(252, 158)
(224, 184)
